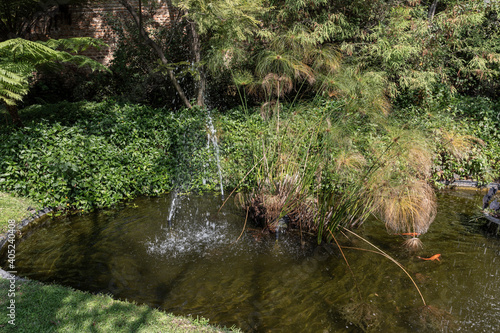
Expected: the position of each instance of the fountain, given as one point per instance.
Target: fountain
(172, 210)
(212, 137)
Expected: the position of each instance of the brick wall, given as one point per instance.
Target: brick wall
(93, 21)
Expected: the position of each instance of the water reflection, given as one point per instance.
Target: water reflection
(260, 285)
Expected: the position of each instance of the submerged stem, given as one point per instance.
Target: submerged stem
(391, 259)
(348, 266)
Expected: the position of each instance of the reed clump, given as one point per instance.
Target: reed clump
(406, 207)
(273, 201)
(315, 172)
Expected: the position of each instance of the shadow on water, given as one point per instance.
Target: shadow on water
(260, 284)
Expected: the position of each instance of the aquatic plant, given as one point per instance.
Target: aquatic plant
(319, 174)
(362, 315)
(405, 206)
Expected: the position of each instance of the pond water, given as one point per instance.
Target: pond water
(197, 267)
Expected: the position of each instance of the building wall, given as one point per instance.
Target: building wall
(93, 21)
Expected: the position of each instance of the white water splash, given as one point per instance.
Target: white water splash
(189, 238)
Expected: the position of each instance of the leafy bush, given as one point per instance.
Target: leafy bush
(88, 155)
(466, 132)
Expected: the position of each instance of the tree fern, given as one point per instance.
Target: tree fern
(20, 58)
(12, 86)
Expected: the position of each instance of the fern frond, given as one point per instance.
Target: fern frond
(22, 49)
(75, 45)
(21, 57)
(12, 87)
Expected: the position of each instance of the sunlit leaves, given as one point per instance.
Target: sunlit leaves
(21, 57)
(12, 86)
(451, 48)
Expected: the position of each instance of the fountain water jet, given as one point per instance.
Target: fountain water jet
(213, 139)
(172, 210)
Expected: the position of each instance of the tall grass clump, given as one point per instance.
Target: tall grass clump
(311, 171)
(333, 163)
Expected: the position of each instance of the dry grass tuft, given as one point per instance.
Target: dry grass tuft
(283, 197)
(406, 207)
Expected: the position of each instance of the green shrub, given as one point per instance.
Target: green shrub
(90, 155)
(466, 132)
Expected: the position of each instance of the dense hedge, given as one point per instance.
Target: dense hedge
(88, 155)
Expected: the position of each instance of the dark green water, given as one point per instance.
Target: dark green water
(260, 285)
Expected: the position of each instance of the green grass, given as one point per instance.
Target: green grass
(14, 208)
(53, 308)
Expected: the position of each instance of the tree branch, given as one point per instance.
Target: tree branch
(196, 48)
(432, 10)
(157, 49)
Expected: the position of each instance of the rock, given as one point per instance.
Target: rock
(494, 205)
(488, 196)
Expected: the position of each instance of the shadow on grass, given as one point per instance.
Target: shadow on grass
(53, 308)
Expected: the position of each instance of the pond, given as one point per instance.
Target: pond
(197, 266)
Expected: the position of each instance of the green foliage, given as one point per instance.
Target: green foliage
(21, 57)
(88, 155)
(452, 48)
(12, 86)
(466, 135)
(225, 27)
(135, 74)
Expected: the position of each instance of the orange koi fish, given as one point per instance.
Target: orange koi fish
(434, 257)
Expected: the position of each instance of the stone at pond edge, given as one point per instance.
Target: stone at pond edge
(23, 223)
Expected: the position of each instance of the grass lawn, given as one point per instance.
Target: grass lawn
(14, 208)
(53, 308)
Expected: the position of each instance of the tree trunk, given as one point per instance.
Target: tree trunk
(12, 109)
(196, 49)
(432, 10)
(157, 49)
